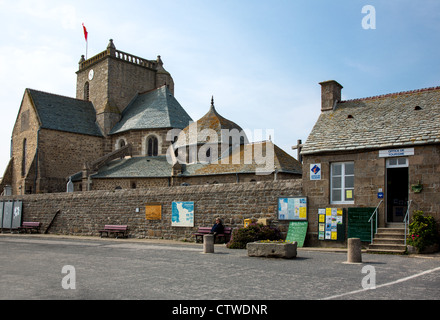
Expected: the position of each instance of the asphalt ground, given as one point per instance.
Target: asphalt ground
(37, 267)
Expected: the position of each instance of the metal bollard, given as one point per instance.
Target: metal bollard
(354, 253)
(208, 243)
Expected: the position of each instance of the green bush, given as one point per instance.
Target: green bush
(422, 231)
(254, 232)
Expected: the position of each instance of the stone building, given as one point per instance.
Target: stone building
(116, 134)
(383, 148)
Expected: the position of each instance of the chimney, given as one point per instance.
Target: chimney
(330, 94)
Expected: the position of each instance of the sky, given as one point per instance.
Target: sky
(261, 60)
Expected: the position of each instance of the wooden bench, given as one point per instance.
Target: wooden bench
(30, 226)
(226, 235)
(116, 229)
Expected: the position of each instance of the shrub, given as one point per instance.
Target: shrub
(422, 231)
(254, 232)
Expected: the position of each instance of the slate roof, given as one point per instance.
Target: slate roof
(402, 119)
(152, 110)
(249, 162)
(136, 167)
(213, 121)
(158, 167)
(65, 114)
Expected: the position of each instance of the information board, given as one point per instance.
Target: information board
(331, 224)
(297, 232)
(292, 208)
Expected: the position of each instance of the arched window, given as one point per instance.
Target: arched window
(23, 159)
(86, 91)
(152, 146)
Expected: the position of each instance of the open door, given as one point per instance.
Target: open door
(397, 189)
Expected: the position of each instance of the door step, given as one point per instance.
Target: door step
(388, 240)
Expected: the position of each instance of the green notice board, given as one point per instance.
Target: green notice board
(297, 232)
(358, 225)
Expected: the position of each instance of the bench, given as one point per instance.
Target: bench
(30, 226)
(116, 229)
(226, 235)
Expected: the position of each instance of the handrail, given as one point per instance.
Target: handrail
(406, 219)
(374, 213)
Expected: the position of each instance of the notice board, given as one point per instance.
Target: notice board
(331, 224)
(292, 208)
(297, 232)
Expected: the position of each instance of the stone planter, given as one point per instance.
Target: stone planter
(429, 249)
(272, 249)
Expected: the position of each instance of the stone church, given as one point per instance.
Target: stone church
(125, 129)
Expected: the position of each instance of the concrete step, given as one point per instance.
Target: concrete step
(386, 251)
(393, 236)
(388, 240)
(386, 248)
(391, 230)
(392, 241)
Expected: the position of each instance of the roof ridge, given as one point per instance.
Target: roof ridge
(393, 94)
(58, 95)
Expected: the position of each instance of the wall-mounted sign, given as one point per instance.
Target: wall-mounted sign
(153, 211)
(396, 152)
(315, 171)
(294, 208)
(182, 214)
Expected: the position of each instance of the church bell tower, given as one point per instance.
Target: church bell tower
(112, 78)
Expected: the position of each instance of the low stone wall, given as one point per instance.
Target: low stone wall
(84, 213)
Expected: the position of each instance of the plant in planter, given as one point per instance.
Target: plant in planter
(254, 232)
(422, 231)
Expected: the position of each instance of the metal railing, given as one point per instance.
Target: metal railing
(372, 220)
(406, 220)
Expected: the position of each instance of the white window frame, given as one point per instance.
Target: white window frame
(399, 162)
(342, 188)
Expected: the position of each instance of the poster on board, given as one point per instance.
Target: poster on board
(182, 214)
(153, 211)
(292, 208)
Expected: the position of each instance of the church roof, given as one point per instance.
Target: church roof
(153, 110)
(252, 159)
(393, 120)
(136, 167)
(65, 114)
(215, 123)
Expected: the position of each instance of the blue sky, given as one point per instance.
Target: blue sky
(262, 60)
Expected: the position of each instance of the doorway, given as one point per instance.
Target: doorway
(397, 189)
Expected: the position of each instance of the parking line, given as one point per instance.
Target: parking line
(383, 285)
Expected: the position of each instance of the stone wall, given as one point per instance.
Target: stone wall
(84, 213)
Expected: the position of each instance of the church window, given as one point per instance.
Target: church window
(23, 160)
(86, 91)
(152, 147)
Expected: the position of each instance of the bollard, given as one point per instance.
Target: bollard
(208, 243)
(354, 253)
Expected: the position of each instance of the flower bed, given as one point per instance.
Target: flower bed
(272, 249)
